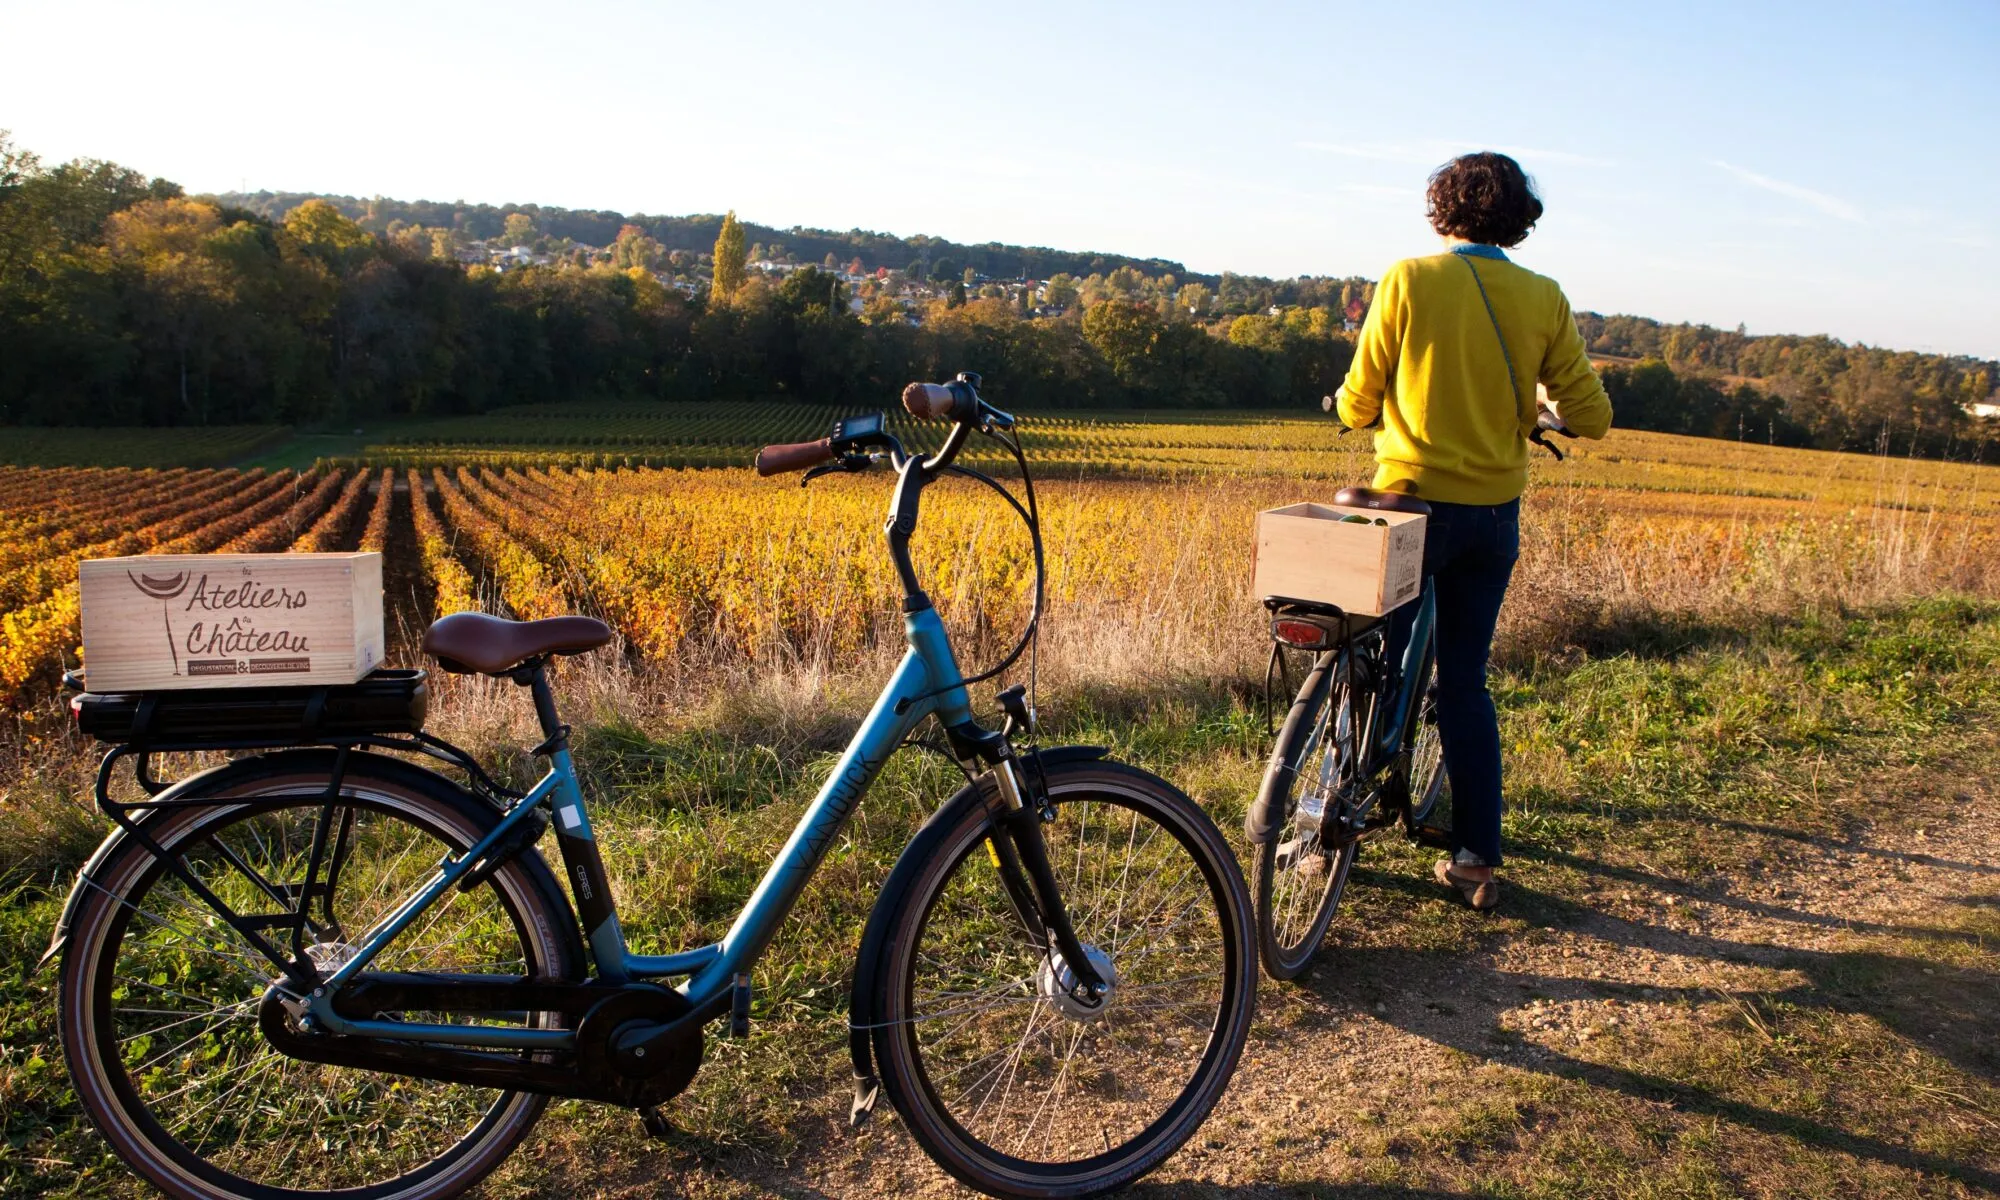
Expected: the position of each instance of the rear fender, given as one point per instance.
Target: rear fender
(862, 1000)
(1267, 812)
(233, 774)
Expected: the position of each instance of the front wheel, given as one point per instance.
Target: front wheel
(1004, 1078)
(1429, 783)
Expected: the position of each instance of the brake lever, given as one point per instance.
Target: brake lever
(849, 463)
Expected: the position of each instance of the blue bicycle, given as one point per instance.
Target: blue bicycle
(324, 967)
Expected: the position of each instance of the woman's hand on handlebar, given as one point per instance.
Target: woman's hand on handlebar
(1549, 420)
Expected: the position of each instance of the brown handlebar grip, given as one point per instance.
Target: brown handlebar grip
(927, 401)
(773, 460)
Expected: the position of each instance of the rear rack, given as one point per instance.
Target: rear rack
(1338, 626)
(384, 711)
(384, 702)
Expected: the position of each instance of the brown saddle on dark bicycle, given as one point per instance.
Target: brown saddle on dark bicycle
(470, 642)
(1375, 498)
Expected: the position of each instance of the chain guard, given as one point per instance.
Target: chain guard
(586, 1074)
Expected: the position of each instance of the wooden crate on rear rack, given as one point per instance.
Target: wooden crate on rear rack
(1307, 552)
(230, 620)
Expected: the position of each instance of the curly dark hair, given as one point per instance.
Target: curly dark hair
(1483, 197)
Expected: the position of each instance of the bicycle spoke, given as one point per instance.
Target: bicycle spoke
(184, 1008)
(1015, 1068)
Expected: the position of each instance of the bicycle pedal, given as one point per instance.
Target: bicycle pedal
(656, 1124)
(1431, 835)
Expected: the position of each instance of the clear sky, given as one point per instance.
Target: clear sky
(1809, 167)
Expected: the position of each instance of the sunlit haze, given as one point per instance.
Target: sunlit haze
(1796, 168)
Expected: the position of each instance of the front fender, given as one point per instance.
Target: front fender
(861, 999)
(221, 778)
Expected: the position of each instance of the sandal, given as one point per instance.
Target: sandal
(1481, 894)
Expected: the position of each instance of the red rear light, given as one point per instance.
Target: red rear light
(1302, 634)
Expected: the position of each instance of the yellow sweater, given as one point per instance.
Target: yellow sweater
(1429, 365)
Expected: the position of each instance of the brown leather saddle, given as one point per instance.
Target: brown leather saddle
(1361, 497)
(471, 642)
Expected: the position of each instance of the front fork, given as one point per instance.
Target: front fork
(1022, 858)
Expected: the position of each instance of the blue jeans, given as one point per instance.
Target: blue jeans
(1469, 552)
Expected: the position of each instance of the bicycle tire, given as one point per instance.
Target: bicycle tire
(1288, 856)
(1427, 776)
(943, 898)
(121, 890)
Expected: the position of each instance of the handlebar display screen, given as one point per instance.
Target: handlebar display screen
(864, 425)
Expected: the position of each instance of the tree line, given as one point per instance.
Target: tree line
(697, 233)
(1791, 390)
(124, 301)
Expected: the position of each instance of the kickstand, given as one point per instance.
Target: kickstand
(657, 1126)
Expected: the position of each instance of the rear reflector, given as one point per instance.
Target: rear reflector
(1303, 634)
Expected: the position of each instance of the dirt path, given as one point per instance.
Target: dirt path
(1821, 1022)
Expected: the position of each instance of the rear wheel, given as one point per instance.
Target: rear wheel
(1006, 1081)
(1302, 869)
(160, 997)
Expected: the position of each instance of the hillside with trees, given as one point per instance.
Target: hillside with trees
(694, 235)
(124, 301)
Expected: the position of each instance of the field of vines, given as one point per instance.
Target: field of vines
(1156, 444)
(207, 446)
(1148, 517)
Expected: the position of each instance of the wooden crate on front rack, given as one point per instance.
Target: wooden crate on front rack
(230, 620)
(1367, 567)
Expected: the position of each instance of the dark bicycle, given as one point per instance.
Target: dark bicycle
(323, 968)
(1357, 756)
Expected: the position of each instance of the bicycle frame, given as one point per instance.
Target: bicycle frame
(1383, 740)
(1404, 702)
(927, 681)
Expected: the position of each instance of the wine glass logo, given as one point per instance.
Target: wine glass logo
(163, 589)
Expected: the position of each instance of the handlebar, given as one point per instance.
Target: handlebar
(929, 401)
(797, 456)
(860, 441)
(850, 444)
(955, 401)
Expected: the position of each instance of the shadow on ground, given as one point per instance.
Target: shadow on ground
(1954, 1014)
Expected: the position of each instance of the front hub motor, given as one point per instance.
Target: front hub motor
(1057, 984)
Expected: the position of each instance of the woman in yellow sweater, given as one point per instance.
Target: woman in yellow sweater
(1448, 362)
